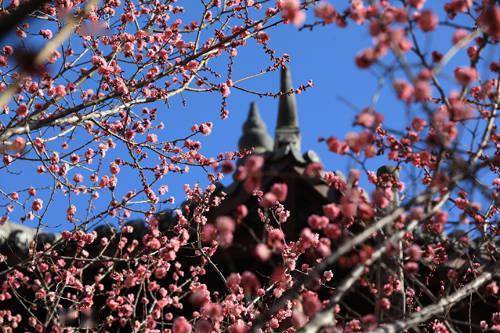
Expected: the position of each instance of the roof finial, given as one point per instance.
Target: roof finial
(255, 133)
(287, 126)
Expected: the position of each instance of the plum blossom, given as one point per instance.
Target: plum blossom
(262, 252)
(326, 12)
(280, 190)
(22, 110)
(225, 227)
(331, 211)
(18, 144)
(225, 91)
(46, 33)
(181, 325)
(317, 222)
(37, 204)
(290, 11)
(428, 20)
(353, 204)
(465, 75)
(310, 303)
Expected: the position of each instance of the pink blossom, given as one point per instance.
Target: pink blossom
(317, 222)
(459, 35)
(336, 146)
(241, 211)
(352, 204)
(439, 327)
(121, 86)
(233, 281)
(22, 110)
(18, 144)
(275, 238)
(181, 325)
(262, 252)
(225, 224)
(328, 275)
(414, 252)
(227, 167)
(114, 168)
(8, 50)
(492, 288)
(252, 183)
(37, 205)
(382, 197)
(423, 90)
(333, 231)
(60, 91)
(200, 295)
(128, 47)
(326, 12)
(465, 75)
(291, 12)
(455, 6)
(417, 3)
(428, 21)
(192, 65)
(225, 91)
(418, 124)
(31, 191)
(384, 303)
(268, 200)
(280, 190)
(225, 227)
(153, 138)
(369, 321)
(459, 110)
(203, 326)
(78, 178)
(154, 244)
(206, 128)
(254, 163)
(310, 303)
(495, 318)
(238, 327)
(250, 283)
(366, 119)
(366, 58)
(353, 326)
(208, 233)
(46, 33)
(404, 90)
(331, 211)
(489, 20)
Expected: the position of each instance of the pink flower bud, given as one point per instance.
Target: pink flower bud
(37, 205)
(428, 21)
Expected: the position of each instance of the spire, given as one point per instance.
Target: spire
(255, 133)
(287, 126)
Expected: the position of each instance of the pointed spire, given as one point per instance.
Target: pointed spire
(255, 133)
(287, 109)
(287, 126)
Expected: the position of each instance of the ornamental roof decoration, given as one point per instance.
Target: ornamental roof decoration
(255, 135)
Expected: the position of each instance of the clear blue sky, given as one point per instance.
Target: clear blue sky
(325, 56)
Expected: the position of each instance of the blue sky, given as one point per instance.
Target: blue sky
(325, 56)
